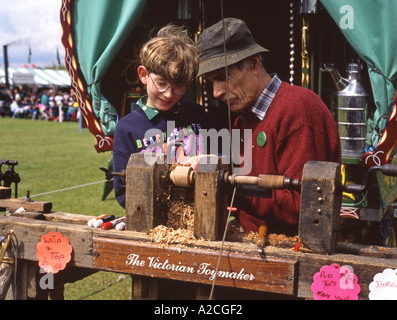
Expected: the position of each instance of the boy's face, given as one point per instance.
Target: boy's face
(162, 101)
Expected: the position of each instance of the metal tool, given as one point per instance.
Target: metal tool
(6, 245)
(10, 176)
(110, 174)
(387, 170)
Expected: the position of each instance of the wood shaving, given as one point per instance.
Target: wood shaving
(180, 226)
(272, 239)
(277, 240)
(179, 229)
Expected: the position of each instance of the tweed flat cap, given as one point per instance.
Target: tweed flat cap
(240, 44)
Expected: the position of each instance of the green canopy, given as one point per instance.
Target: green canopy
(371, 29)
(99, 33)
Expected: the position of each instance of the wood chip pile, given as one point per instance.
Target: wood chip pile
(179, 228)
(273, 239)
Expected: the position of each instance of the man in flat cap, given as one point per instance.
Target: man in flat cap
(290, 125)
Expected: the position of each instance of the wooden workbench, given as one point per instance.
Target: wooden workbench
(278, 270)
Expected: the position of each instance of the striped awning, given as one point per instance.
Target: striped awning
(42, 77)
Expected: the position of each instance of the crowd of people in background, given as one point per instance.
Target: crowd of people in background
(45, 104)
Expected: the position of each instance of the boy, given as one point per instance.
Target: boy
(169, 65)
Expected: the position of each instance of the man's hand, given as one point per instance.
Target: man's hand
(192, 161)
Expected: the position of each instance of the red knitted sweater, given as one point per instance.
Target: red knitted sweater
(298, 127)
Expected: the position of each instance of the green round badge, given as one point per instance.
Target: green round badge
(261, 139)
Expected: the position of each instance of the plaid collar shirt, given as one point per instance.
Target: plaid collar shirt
(265, 99)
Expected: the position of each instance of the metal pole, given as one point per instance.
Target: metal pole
(5, 49)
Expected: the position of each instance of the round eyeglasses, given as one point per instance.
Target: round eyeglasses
(163, 85)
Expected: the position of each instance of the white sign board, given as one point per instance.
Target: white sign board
(22, 78)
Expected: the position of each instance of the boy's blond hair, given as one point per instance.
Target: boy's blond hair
(172, 54)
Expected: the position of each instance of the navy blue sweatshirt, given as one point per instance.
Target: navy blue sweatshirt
(146, 130)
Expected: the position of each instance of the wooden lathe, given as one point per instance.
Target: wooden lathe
(279, 268)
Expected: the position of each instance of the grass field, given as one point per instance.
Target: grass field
(55, 156)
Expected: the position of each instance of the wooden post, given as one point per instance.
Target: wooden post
(321, 196)
(144, 288)
(209, 200)
(146, 195)
(5, 192)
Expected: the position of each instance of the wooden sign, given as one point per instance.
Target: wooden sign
(195, 265)
(23, 78)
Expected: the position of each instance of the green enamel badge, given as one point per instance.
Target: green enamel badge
(261, 139)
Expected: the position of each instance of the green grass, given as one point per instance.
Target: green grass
(53, 156)
(100, 286)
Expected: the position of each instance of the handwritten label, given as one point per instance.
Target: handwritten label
(53, 252)
(384, 286)
(335, 283)
(203, 269)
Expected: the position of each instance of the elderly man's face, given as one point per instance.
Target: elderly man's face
(243, 87)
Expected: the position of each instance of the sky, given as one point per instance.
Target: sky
(34, 24)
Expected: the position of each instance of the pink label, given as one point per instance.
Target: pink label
(335, 283)
(53, 252)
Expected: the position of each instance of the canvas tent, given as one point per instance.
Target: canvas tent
(370, 28)
(40, 77)
(93, 41)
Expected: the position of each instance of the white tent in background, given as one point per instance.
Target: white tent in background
(42, 77)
